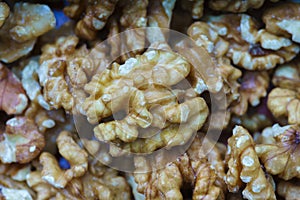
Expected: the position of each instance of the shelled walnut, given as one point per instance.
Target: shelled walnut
(236, 6)
(283, 20)
(280, 156)
(21, 142)
(95, 15)
(15, 101)
(250, 47)
(244, 167)
(19, 32)
(284, 100)
(201, 167)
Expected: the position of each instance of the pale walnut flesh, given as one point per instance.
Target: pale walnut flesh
(236, 6)
(250, 47)
(244, 167)
(253, 87)
(21, 142)
(25, 24)
(283, 20)
(4, 12)
(77, 157)
(288, 190)
(281, 156)
(15, 101)
(203, 169)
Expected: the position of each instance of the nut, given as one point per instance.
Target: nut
(4, 12)
(21, 29)
(280, 157)
(283, 20)
(244, 167)
(22, 141)
(15, 100)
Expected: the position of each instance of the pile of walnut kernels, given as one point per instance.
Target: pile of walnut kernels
(53, 66)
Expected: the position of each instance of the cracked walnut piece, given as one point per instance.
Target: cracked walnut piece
(76, 156)
(282, 156)
(254, 86)
(95, 15)
(201, 166)
(23, 26)
(4, 12)
(236, 6)
(244, 167)
(250, 47)
(65, 70)
(15, 101)
(284, 100)
(283, 20)
(21, 142)
(289, 190)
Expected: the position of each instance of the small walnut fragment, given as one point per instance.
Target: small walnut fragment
(21, 141)
(201, 167)
(254, 86)
(4, 12)
(13, 97)
(11, 189)
(284, 100)
(207, 37)
(20, 30)
(95, 15)
(77, 158)
(195, 6)
(65, 70)
(159, 15)
(288, 190)
(283, 20)
(244, 167)
(250, 47)
(281, 157)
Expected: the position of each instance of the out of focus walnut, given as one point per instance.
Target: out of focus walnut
(20, 30)
(250, 47)
(4, 12)
(280, 155)
(21, 142)
(244, 167)
(13, 97)
(254, 86)
(283, 20)
(289, 190)
(96, 14)
(284, 100)
(86, 178)
(236, 6)
(201, 167)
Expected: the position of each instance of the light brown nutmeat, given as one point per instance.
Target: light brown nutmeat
(4, 12)
(236, 6)
(281, 156)
(254, 86)
(201, 166)
(244, 167)
(64, 71)
(95, 15)
(15, 101)
(289, 190)
(207, 37)
(21, 141)
(284, 100)
(250, 47)
(70, 150)
(26, 23)
(196, 7)
(283, 20)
